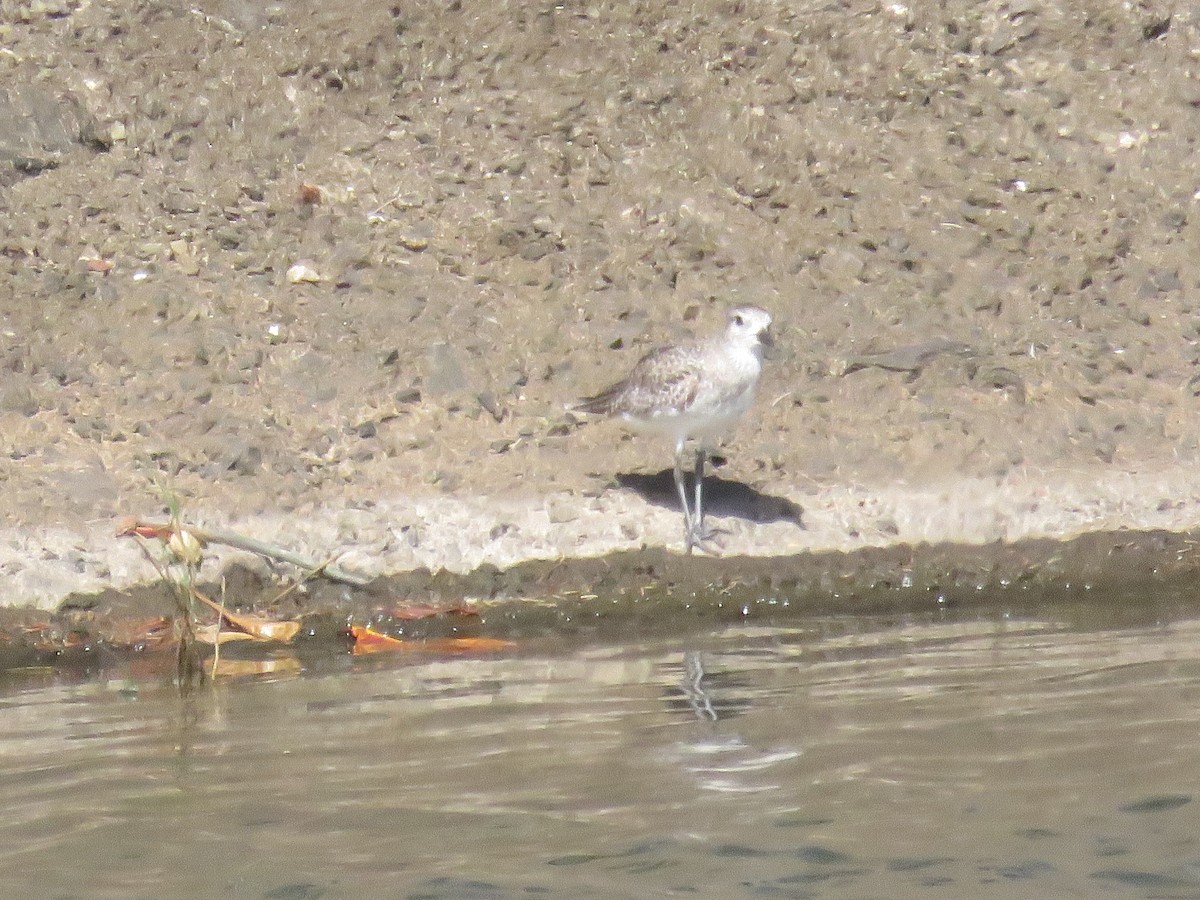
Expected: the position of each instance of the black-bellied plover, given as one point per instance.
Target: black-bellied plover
(692, 392)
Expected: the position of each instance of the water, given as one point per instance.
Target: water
(973, 755)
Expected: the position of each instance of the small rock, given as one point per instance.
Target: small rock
(183, 254)
(487, 402)
(303, 271)
(18, 398)
(414, 242)
(499, 531)
(242, 459)
(562, 510)
(446, 374)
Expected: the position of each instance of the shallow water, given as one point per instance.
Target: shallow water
(973, 754)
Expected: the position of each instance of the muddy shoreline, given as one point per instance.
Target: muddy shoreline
(1127, 577)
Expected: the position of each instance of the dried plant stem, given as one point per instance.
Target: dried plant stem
(217, 640)
(308, 576)
(182, 588)
(253, 545)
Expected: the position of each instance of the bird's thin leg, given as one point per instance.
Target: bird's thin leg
(698, 535)
(682, 488)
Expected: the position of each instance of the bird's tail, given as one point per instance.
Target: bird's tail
(600, 405)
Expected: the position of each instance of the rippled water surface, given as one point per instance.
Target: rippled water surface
(981, 755)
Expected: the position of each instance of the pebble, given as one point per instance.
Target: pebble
(303, 271)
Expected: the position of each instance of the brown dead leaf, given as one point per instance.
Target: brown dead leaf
(211, 634)
(256, 627)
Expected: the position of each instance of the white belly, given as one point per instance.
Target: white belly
(706, 420)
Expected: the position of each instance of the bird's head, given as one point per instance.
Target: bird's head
(750, 326)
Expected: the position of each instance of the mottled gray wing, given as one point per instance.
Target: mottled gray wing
(664, 382)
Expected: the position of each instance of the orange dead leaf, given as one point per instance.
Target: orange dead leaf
(132, 525)
(163, 531)
(367, 640)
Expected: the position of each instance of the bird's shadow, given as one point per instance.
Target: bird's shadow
(721, 497)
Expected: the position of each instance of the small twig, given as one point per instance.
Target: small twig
(251, 545)
(241, 542)
(158, 567)
(311, 573)
(384, 205)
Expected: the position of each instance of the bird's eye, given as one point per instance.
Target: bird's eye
(738, 320)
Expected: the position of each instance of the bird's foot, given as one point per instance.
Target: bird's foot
(707, 540)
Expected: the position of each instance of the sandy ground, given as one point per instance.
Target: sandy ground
(330, 273)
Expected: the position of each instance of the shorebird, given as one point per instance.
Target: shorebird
(692, 392)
